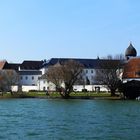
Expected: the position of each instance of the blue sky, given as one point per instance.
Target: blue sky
(42, 29)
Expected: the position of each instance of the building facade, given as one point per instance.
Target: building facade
(28, 74)
(89, 72)
(131, 70)
(32, 73)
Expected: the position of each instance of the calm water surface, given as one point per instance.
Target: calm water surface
(41, 119)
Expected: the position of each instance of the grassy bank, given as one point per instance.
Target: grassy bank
(77, 95)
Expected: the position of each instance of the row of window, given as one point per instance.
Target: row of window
(21, 78)
(91, 71)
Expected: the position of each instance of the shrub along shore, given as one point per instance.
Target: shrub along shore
(54, 95)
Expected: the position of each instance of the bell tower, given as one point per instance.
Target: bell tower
(130, 52)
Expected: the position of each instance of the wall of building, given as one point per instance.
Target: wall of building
(24, 88)
(43, 85)
(91, 88)
(43, 70)
(28, 88)
(29, 79)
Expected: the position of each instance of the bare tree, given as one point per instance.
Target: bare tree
(54, 74)
(71, 71)
(107, 74)
(8, 78)
(120, 57)
(67, 73)
(116, 57)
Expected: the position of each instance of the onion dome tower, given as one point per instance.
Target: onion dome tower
(130, 51)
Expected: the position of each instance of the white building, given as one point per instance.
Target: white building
(32, 74)
(90, 67)
(29, 73)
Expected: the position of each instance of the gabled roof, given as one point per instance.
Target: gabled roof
(31, 65)
(87, 63)
(13, 66)
(25, 65)
(43, 77)
(2, 64)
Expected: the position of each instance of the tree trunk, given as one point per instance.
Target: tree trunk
(66, 96)
(64, 93)
(113, 92)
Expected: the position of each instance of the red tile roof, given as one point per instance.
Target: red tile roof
(2, 63)
(132, 68)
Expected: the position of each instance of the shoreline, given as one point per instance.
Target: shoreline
(22, 96)
(56, 95)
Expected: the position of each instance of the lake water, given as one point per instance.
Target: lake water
(43, 119)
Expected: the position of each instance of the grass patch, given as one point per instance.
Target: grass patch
(101, 95)
(93, 94)
(75, 94)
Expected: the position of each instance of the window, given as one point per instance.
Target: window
(32, 77)
(21, 78)
(91, 71)
(26, 77)
(86, 71)
(44, 81)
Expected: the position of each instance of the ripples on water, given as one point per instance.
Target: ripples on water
(41, 119)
